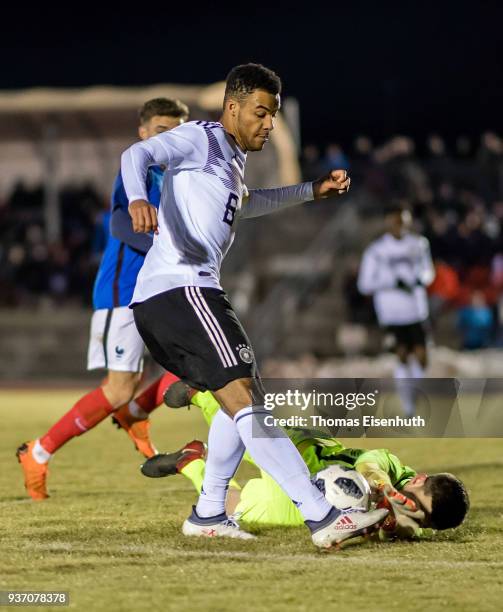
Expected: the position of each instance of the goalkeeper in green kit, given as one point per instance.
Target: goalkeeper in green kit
(418, 503)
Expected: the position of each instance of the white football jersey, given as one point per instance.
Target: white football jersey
(201, 195)
(389, 260)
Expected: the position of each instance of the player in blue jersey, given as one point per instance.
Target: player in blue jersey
(115, 344)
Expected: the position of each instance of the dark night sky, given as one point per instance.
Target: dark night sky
(371, 67)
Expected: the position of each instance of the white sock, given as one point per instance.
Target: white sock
(404, 388)
(225, 451)
(39, 453)
(274, 452)
(136, 410)
(416, 369)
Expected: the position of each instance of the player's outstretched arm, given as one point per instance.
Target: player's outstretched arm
(260, 202)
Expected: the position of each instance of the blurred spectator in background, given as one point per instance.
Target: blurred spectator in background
(359, 307)
(311, 163)
(30, 268)
(490, 166)
(362, 148)
(463, 147)
(362, 164)
(334, 158)
(438, 165)
(445, 289)
(476, 322)
(476, 245)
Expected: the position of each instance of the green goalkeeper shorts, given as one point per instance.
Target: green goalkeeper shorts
(264, 501)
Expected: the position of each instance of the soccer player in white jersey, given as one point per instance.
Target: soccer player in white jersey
(183, 314)
(396, 269)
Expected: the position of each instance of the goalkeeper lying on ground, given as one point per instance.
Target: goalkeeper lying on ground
(419, 503)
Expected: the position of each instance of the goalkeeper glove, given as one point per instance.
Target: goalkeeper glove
(404, 519)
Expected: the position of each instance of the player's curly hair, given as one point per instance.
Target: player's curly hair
(450, 501)
(244, 79)
(164, 107)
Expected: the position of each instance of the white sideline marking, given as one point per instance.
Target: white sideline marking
(373, 559)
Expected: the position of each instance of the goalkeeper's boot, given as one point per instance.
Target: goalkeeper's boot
(167, 464)
(340, 525)
(35, 474)
(178, 395)
(220, 526)
(137, 429)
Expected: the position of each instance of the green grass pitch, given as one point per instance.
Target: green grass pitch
(112, 537)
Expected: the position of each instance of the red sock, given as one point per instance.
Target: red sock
(151, 398)
(85, 414)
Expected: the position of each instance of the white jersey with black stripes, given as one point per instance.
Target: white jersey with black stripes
(202, 192)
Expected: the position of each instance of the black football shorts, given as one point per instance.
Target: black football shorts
(194, 333)
(410, 335)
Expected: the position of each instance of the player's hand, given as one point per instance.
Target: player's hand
(405, 518)
(336, 181)
(144, 217)
(400, 502)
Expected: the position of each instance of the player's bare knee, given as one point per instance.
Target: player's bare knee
(421, 356)
(423, 362)
(402, 353)
(238, 394)
(121, 387)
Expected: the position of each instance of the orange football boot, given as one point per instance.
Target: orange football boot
(137, 429)
(35, 474)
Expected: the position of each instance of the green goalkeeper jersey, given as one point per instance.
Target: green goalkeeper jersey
(379, 466)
